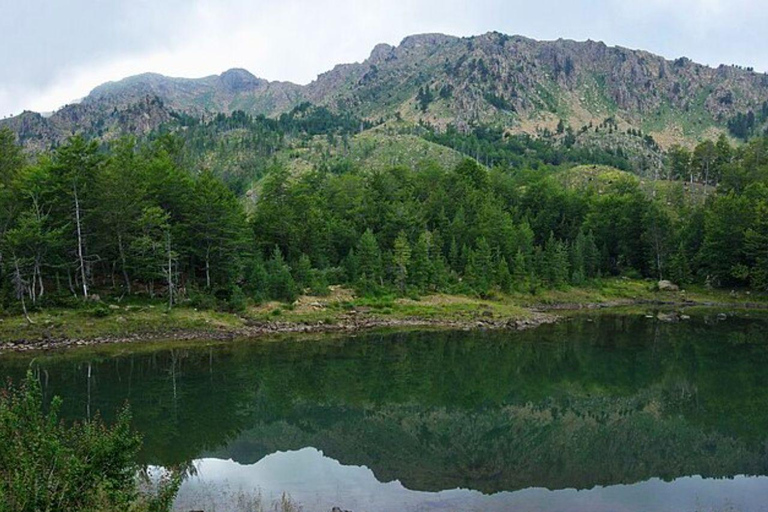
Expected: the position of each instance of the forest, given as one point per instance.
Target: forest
(134, 218)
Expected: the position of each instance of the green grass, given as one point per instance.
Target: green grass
(601, 179)
(152, 319)
(82, 323)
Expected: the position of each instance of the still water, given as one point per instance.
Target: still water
(616, 413)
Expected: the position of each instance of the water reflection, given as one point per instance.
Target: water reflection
(620, 400)
(320, 483)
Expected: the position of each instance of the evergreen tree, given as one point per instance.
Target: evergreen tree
(280, 283)
(368, 260)
(401, 258)
(577, 259)
(756, 247)
(480, 271)
(504, 276)
(256, 282)
(422, 267)
(557, 270)
(303, 272)
(679, 267)
(520, 272)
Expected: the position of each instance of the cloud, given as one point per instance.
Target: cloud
(61, 50)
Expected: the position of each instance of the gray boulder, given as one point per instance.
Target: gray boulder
(667, 286)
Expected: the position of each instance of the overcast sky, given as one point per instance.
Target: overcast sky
(55, 51)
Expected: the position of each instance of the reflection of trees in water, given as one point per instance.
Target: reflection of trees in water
(619, 399)
(577, 443)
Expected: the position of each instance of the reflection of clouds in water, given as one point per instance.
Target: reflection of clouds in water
(319, 483)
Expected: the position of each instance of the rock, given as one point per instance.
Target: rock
(668, 317)
(667, 286)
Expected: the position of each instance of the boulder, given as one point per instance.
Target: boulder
(670, 317)
(667, 286)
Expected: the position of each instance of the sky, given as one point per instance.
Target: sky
(56, 51)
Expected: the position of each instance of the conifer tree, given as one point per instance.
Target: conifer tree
(280, 283)
(368, 260)
(401, 258)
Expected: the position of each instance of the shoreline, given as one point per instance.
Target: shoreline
(265, 329)
(356, 322)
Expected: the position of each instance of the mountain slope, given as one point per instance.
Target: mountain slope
(522, 85)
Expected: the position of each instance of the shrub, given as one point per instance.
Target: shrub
(46, 464)
(99, 311)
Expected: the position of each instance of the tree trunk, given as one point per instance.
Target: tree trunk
(122, 262)
(208, 267)
(71, 285)
(41, 290)
(170, 268)
(80, 255)
(19, 282)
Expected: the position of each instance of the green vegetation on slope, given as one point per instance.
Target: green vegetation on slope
(137, 219)
(46, 464)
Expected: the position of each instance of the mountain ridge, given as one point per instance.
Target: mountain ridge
(514, 82)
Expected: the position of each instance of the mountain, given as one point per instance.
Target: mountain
(236, 89)
(512, 82)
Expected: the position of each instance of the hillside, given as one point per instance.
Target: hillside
(511, 82)
(604, 180)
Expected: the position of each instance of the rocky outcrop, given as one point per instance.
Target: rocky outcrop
(512, 81)
(102, 120)
(667, 286)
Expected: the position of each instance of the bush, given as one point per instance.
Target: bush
(201, 300)
(99, 311)
(48, 465)
(237, 301)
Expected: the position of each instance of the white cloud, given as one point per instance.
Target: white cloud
(297, 39)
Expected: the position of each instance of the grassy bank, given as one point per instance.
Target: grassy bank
(342, 308)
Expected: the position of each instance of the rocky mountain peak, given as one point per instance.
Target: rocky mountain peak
(509, 81)
(425, 40)
(239, 80)
(381, 52)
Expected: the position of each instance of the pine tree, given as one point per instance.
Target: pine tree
(422, 268)
(280, 283)
(520, 272)
(679, 268)
(368, 261)
(256, 279)
(578, 268)
(303, 272)
(401, 258)
(480, 271)
(503, 276)
(454, 256)
(591, 256)
(557, 269)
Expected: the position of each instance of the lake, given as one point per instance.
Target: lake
(608, 413)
